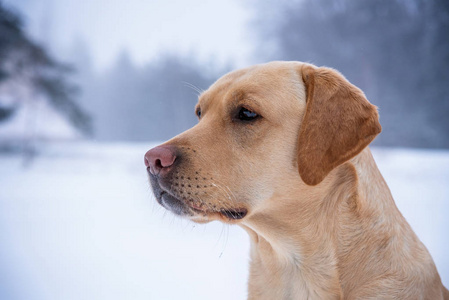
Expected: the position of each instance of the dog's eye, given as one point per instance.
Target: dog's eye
(198, 113)
(247, 115)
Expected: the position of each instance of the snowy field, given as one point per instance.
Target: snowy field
(80, 222)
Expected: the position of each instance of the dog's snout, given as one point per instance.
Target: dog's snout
(160, 158)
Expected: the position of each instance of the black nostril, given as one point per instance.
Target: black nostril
(158, 164)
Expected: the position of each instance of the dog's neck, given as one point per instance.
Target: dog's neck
(301, 248)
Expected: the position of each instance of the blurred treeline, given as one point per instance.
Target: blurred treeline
(396, 51)
(153, 102)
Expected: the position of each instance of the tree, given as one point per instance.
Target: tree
(27, 65)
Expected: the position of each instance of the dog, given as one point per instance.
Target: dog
(280, 149)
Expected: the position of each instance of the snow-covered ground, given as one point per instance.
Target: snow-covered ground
(80, 222)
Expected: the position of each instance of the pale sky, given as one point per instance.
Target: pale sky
(214, 31)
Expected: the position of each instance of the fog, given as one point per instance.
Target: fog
(138, 66)
(86, 87)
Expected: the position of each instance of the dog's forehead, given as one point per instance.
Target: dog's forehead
(259, 81)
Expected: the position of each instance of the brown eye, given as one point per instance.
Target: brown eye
(198, 113)
(247, 115)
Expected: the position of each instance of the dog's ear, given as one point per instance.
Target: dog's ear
(338, 123)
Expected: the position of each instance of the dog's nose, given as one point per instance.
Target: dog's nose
(160, 158)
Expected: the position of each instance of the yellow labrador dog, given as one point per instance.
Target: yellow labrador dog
(280, 149)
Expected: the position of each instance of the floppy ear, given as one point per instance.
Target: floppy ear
(338, 123)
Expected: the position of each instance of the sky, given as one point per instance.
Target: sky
(211, 31)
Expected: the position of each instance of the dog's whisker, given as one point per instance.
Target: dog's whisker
(193, 87)
(221, 234)
(228, 192)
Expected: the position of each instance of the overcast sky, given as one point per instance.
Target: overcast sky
(215, 30)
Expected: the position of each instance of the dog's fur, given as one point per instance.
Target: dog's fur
(301, 181)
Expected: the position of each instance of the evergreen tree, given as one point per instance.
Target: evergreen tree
(25, 62)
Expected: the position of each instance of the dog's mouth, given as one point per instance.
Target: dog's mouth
(193, 208)
(234, 214)
(231, 214)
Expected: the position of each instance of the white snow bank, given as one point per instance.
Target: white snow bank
(81, 223)
(37, 120)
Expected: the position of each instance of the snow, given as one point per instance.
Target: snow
(36, 120)
(80, 222)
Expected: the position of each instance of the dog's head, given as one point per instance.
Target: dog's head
(260, 131)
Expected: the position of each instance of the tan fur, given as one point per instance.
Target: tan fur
(322, 221)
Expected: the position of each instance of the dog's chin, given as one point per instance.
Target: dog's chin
(168, 200)
(173, 204)
(198, 214)
(189, 209)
